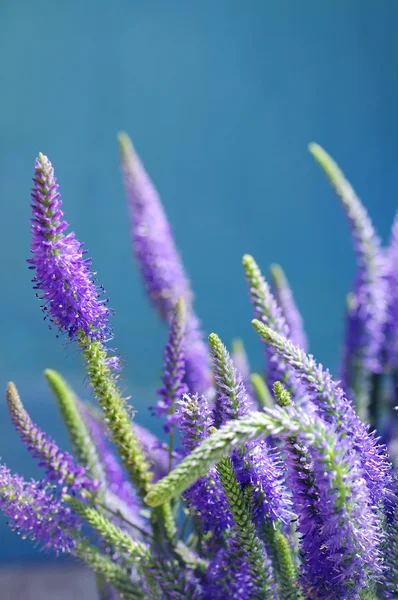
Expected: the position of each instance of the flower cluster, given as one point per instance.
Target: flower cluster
(278, 486)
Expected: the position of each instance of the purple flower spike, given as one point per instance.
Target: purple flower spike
(366, 320)
(337, 410)
(174, 386)
(70, 298)
(206, 497)
(285, 299)
(334, 566)
(159, 262)
(228, 575)
(60, 465)
(34, 513)
(260, 469)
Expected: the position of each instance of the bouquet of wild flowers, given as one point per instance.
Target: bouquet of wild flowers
(269, 488)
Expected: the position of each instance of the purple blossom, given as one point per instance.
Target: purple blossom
(342, 549)
(60, 466)
(174, 583)
(33, 512)
(161, 267)
(70, 298)
(228, 575)
(285, 299)
(206, 497)
(174, 386)
(259, 468)
(336, 409)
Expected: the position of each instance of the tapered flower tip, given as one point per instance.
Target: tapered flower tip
(282, 396)
(128, 154)
(125, 144)
(42, 160)
(327, 163)
(181, 310)
(265, 332)
(248, 260)
(13, 399)
(214, 341)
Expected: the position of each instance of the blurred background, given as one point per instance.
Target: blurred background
(221, 99)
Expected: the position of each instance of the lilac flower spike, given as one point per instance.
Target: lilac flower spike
(285, 299)
(336, 409)
(33, 512)
(60, 465)
(174, 386)
(205, 497)
(71, 300)
(365, 329)
(160, 264)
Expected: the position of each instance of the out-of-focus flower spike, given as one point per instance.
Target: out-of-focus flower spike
(390, 354)
(60, 466)
(160, 264)
(267, 311)
(71, 300)
(174, 386)
(261, 391)
(33, 512)
(285, 299)
(241, 363)
(115, 477)
(155, 453)
(333, 405)
(105, 590)
(82, 444)
(366, 324)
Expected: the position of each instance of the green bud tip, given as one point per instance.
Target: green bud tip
(282, 396)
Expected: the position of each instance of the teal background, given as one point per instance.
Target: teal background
(221, 98)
